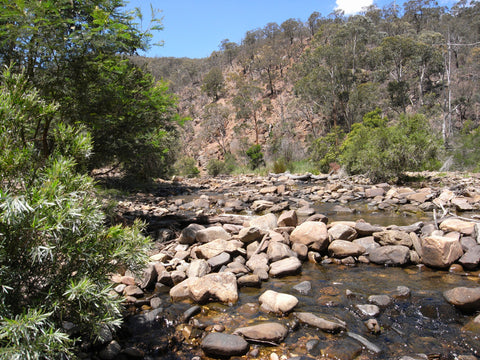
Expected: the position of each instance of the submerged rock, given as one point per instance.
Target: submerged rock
(319, 322)
(269, 332)
(466, 299)
(279, 303)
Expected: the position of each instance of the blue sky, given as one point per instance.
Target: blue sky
(195, 28)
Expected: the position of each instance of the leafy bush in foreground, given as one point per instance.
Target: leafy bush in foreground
(55, 252)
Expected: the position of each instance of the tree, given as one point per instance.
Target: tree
(215, 125)
(73, 53)
(213, 83)
(248, 104)
(56, 256)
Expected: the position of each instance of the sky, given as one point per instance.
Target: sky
(195, 28)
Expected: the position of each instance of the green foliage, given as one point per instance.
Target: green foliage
(213, 83)
(255, 155)
(279, 166)
(326, 150)
(186, 166)
(384, 152)
(55, 252)
(216, 167)
(466, 156)
(74, 54)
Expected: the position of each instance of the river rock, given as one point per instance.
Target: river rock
(258, 261)
(319, 322)
(304, 287)
(261, 205)
(278, 251)
(278, 303)
(301, 250)
(367, 242)
(466, 299)
(288, 266)
(373, 192)
(188, 235)
(365, 229)
(198, 268)
(343, 248)
(265, 222)
(237, 268)
(471, 259)
(393, 237)
(111, 351)
(212, 233)
(380, 300)
(251, 280)
(440, 251)
(270, 332)
(454, 224)
(216, 247)
(149, 277)
(369, 310)
(217, 286)
(133, 290)
(220, 344)
(218, 261)
(342, 232)
(314, 234)
(390, 255)
(250, 234)
(288, 218)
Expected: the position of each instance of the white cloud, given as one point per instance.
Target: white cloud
(351, 7)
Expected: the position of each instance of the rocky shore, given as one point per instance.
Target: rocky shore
(215, 236)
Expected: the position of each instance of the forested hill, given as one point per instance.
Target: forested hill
(287, 84)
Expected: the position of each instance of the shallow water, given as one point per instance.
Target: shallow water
(421, 323)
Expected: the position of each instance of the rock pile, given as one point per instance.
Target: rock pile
(210, 263)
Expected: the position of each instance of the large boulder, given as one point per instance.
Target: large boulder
(344, 248)
(198, 268)
(288, 218)
(224, 345)
(212, 233)
(314, 234)
(278, 303)
(390, 255)
(471, 259)
(265, 222)
(466, 299)
(278, 251)
(287, 266)
(393, 237)
(216, 247)
(269, 332)
(454, 224)
(342, 232)
(212, 287)
(319, 322)
(440, 251)
(189, 234)
(250, 234)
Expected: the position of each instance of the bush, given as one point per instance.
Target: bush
(384, 152)
(467, 153)
(279, 166)
(326, 150)
(56, 255)
(186, 167)
(255, 155)
(215, 167)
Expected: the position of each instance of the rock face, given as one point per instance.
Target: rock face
(279, 303)
(219, 344)
(217, 286)
(267, 332)
(314, 234)
(440, 251)
(466, 299)
(321, 323)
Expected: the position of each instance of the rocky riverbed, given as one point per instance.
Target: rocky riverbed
(242, 267)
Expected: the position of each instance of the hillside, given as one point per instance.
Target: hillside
(289, 84)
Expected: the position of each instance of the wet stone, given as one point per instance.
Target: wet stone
(303, 288)
(220, 344)
(270, 332)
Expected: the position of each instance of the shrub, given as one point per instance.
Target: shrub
(466, 155)
(215, 167)
(255, 155)
(384, 152)
(279, 166)
(186, 167)
(56, 255)
(326, 150)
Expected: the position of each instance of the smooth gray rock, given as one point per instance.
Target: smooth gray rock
(269, 332)
(304, 287)
(466, 299)
(220, 344)
(278, 303)
(288, 266)
(319, 322)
